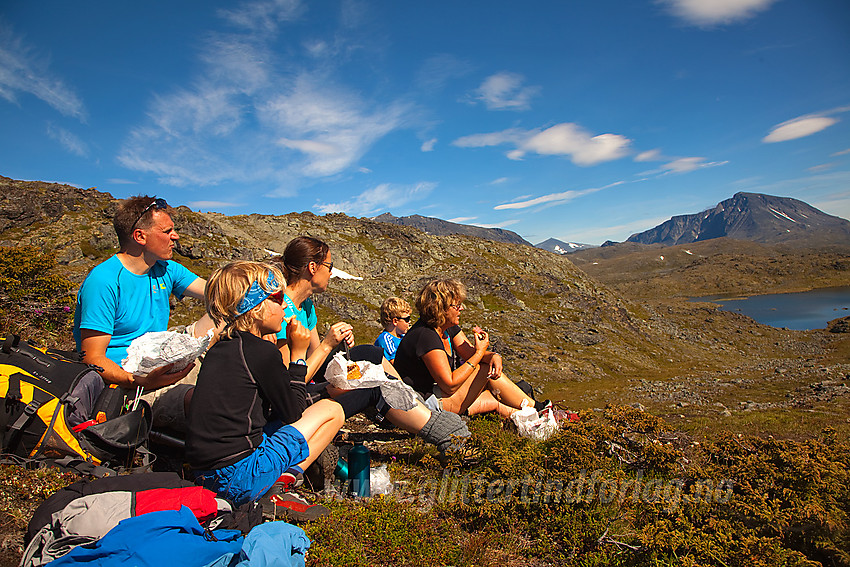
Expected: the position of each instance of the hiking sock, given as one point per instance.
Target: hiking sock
(443, 429)
(293, 477)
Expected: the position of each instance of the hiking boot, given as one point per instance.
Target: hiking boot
(296, 508)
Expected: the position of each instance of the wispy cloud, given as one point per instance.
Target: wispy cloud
(554, 198)
(820, 167)
(461, 220)
(505, 91)
(565, 139)
(22, 71)
(650, 155)
(439, 70)
(214, 204)
(119, 181)
(67, 140)
(378, 198)
(428, 145)
(502, 224)
(262, 15)
(252, 117)
(674, 164)
(841, 153)
(688, 164)
(707, 13)
(799, 128)
(499, 181)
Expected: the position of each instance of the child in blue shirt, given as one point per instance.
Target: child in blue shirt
(395, 317)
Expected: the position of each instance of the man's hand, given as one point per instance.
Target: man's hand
(162, 377)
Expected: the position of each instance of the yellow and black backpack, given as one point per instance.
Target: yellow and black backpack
(56, 407)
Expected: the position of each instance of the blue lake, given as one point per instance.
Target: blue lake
(800, 311)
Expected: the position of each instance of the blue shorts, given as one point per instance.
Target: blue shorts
(253, 476)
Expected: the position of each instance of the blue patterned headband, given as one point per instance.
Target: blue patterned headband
(256, 295)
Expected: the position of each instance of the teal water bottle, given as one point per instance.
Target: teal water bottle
(358, 471)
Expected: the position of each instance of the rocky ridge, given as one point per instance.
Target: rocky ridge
(576, 339)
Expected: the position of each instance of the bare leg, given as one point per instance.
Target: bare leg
(319, 424)
(487, 403)
(411, 420)
(508, 393)
(468, 392)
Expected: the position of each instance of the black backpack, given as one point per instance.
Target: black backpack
(55, 406)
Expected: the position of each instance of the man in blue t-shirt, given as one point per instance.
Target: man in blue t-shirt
(128, 295)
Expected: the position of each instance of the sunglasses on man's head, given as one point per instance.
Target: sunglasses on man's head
(157, 205)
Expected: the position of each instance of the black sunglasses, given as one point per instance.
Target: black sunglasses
(404, 318)
(157, 205)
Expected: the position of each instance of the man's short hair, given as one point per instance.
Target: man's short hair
(129, 213)
(393, 307)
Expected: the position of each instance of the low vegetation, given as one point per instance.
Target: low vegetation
(36, 300)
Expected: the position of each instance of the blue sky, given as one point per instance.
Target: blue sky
(579, 120)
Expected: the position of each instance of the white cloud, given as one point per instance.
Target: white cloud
(502, 224)
(499, 181)
(511, 136)
(565, 139)
(333, 126)
(841, 153)
(554, 198)
(820, 167)
(262, 15)
(23, 72)
(649, 155)
(250, 117)
(67, 140)
(504, 91)
(213, 204)
(461, 220)
(376, 199)
(687, 164)
(706, 13)
(584, 149)
(119, 181)
(799, 128)
(428, 145)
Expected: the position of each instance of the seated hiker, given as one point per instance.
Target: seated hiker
(395, 317)
(438, 358)
(237, 443)
(127, 296)
(307, 265)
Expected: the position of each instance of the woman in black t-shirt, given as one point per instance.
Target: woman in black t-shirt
(439, 359)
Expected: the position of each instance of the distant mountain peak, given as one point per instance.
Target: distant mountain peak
(751, 216)
(561, 247)
(440, 227)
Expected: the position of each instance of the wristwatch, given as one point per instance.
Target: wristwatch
(299, 362)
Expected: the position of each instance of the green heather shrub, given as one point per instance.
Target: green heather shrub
(36, 301)
(618, 488)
